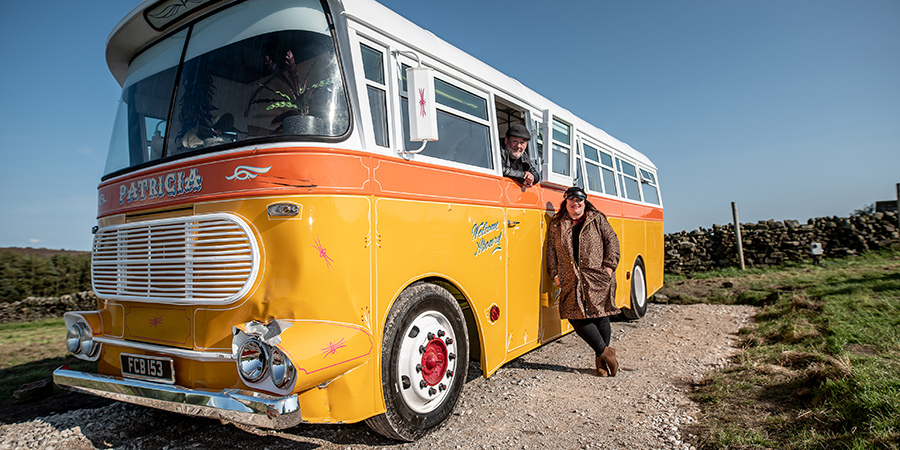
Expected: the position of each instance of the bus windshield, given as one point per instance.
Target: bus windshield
(254, 71)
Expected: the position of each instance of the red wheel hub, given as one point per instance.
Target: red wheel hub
(434, 362)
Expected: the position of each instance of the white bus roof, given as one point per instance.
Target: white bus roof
(133, 33)
(388, 22)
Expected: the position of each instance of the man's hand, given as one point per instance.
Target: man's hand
(529, 179)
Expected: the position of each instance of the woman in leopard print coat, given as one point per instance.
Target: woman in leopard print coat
(582, 255)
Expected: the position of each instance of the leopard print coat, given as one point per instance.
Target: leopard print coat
(586, 291)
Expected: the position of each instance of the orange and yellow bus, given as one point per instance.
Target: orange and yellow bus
(284, 238)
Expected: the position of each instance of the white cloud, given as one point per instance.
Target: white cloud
(35, 241)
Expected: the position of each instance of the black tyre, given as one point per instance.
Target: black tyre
(424, 359)
(638, 293)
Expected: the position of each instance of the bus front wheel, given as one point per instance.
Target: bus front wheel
(638, 293)
(424, 360)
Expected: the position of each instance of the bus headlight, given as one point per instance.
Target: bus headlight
(79, 340)
(282, 369)
(261, 363)
(73, 338)
(252, 361)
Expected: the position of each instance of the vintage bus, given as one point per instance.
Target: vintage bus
(303, 218)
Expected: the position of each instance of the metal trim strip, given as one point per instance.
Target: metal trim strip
(177, 352)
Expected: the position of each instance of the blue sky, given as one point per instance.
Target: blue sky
(791, 108)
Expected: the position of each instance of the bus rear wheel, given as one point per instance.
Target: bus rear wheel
(638, 293)
(424, 360)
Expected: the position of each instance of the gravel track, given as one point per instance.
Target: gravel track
(547, 398)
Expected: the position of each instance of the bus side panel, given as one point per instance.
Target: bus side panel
(634, 246)
(625, 230)
(317, 267)
(459, 243)
(654, 258)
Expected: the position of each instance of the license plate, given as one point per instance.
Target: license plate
(145, 367)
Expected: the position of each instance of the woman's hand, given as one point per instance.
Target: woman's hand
(556, 281)
(609, 272)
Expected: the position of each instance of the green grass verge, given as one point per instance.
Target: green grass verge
(821, 365)
(31, 352)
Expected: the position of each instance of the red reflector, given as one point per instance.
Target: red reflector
(495, 313)
(627, 276)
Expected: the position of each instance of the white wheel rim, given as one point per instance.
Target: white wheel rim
(640, 287)
(424, 377)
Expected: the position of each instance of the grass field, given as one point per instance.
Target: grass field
(32, 351)
(821, 365)
(820, 368)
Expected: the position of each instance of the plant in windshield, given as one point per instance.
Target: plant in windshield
(196, 105)
(297, 94)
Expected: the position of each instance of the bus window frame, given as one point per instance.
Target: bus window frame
(399, 60)
(536, 144)
(580, 172)
(600, 147)
(548, 175)
(583, 141)
(621, 175)
(653, 181)
(367, 127)
(532, 121)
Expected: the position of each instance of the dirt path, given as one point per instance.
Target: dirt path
(545, 399)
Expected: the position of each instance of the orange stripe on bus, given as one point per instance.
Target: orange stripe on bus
(292, 171)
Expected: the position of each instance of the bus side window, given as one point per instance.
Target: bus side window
(579, 176)
(592, 168)
(609, 174)
(561, 146)
(462, 122)
(601, 175)
(628, 180)
(507, 114)
(373, 66)
(649, 187)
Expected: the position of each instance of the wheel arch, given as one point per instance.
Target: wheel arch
(473, 324)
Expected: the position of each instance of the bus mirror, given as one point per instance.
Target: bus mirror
(422, 110)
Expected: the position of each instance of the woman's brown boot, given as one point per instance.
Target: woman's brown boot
(609, 358)
(601, 368)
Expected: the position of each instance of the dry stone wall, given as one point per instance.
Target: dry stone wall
(771, 242)
(765, 243)
(34, 308)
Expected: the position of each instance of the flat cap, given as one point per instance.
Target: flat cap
(518, 130)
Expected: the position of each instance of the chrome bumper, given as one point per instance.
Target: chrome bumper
(230, 405)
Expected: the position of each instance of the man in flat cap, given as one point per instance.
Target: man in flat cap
(516, 164)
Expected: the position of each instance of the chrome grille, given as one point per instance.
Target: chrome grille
(204, 259)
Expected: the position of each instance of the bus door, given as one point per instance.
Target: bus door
(524, 270)
(523, 232)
